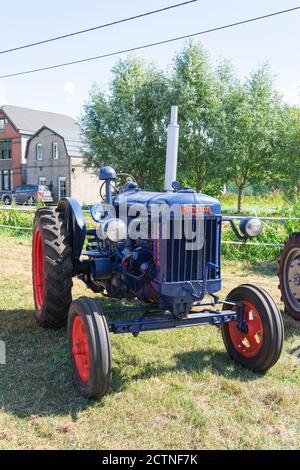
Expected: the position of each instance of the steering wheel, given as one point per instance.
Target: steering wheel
(121, 180)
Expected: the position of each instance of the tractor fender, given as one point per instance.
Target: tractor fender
(75, 222)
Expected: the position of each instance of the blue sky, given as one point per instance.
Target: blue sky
(65, 90)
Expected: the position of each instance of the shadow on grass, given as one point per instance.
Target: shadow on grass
(217, 363)
(267, 268)
(36, 380)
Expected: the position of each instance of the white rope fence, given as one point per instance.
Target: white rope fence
(86, 211)
(231, 242)
(30, 209)
(15, 227)
(225, 242)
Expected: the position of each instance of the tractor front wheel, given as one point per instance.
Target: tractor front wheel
(51, 268)
(90, 348)
(257, 344)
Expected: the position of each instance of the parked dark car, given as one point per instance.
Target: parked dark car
(28, 194)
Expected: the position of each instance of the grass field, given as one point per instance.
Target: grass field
(171, 390)
(268, 204)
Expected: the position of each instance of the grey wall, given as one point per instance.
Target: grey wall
(49, 168)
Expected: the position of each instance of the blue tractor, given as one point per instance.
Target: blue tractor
(167, 283)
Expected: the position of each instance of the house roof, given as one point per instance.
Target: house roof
(29, 121)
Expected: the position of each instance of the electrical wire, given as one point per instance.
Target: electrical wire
(145, 46)
(94, 28)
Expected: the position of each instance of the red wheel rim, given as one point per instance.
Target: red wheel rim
(38, 269)
(248, 344)
(80, 349)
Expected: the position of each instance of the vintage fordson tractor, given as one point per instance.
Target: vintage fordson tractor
(168, 279)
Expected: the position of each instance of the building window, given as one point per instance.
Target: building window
(55, 154)
(6, 180)
(3, 122)
(5, 149)
(62, 187)
(42, 181)
(39, 152)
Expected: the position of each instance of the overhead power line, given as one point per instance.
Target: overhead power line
(145, 46)
(94, 28)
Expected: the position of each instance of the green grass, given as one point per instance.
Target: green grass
(254, 205)
(171, 390)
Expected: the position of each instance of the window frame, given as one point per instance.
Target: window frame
(55, 154)
(39, 152)
(42, 178)
(4, 120)
(6, 176)
(62, 179)
(8, 149)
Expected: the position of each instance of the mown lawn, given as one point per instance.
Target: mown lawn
(171, 390)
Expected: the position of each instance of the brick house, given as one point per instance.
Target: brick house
(12, 145)
(41, 147)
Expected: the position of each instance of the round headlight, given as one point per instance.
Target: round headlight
(97, 211)
(113, 229)
(251, 226)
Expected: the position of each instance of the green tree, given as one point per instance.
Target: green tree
(126, 127)
(194, 90)
(246, 130)
(287, 164)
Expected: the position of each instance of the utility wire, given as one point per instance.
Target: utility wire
(145, 46)
(102, 26)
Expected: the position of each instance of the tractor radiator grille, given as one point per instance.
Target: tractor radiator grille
(180, 264)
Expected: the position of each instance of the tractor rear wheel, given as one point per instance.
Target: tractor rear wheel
(51, 268)
(289, 276)
(258, 346)
(90, 348)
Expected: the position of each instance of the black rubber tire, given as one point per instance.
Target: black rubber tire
(290, 308)
(58, 268)
(100, 371)
(272, 323)
(7, 200)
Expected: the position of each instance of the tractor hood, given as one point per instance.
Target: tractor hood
(183, 197)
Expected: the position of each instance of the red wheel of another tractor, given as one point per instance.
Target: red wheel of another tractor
(248, 343)
(258, 346)
(38, 269)
(80, 349)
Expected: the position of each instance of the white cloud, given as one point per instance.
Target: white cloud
(69, 87)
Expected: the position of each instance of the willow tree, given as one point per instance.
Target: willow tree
(195, 91)
(247, 129)
(287, 163)
(126, 127)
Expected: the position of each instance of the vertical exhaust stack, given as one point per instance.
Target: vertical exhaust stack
(172, 150)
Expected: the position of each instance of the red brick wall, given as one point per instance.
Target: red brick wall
(11, 133)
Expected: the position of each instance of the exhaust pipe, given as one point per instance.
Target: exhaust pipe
(172, 150)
